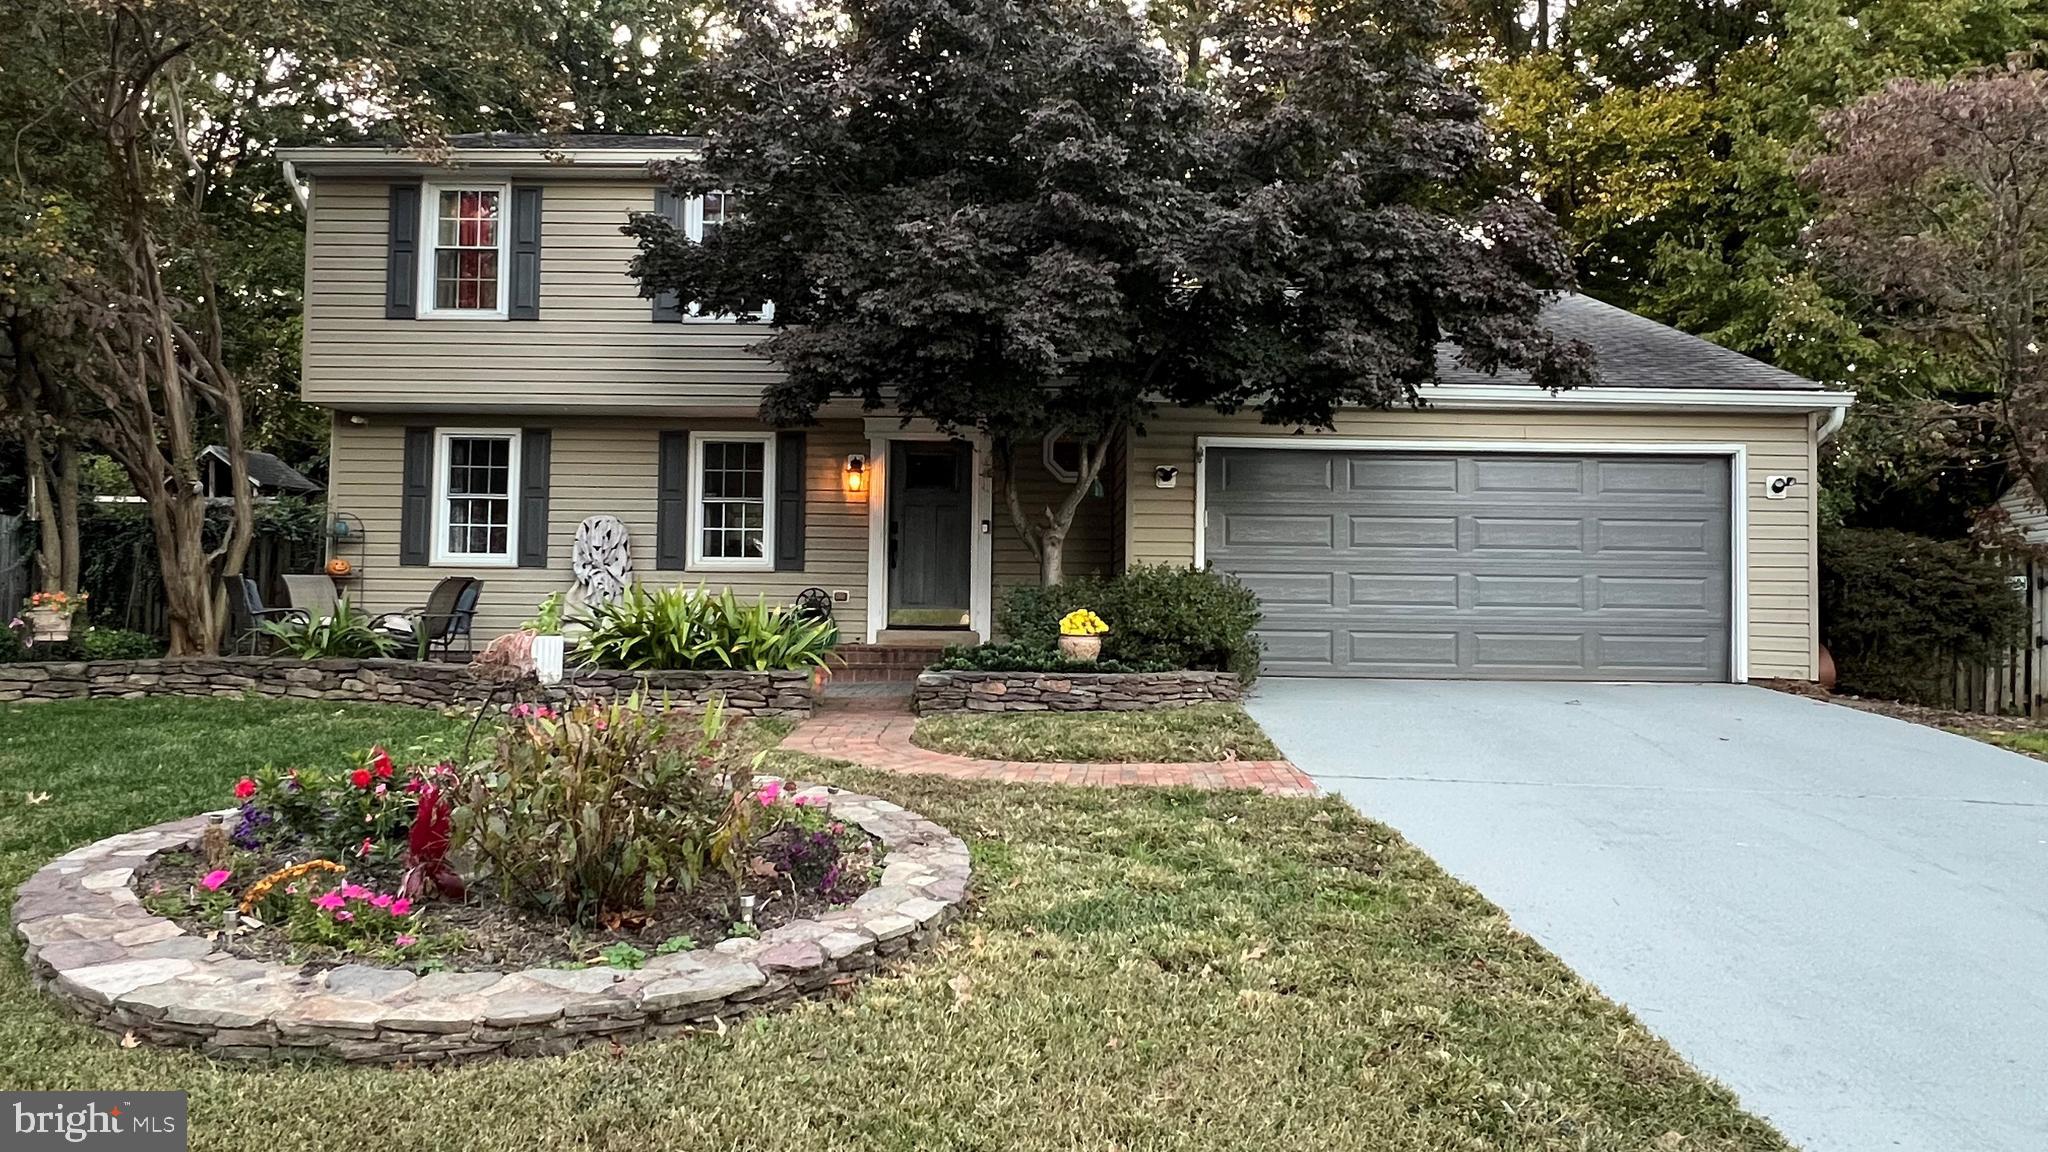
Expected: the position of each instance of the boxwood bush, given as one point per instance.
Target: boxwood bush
(1159, 616)
(1901, 611)
(1031, 658)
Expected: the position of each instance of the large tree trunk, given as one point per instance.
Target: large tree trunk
(1046, 534)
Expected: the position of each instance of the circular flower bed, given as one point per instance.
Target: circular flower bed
(600, 876)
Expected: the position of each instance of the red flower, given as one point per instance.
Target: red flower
(244, 788)
(360, 777)
(381, 761)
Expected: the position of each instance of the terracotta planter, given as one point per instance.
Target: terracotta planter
(1082, 649)
(48, 626)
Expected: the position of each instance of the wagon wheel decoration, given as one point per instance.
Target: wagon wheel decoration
(814, 604)
(603, 563)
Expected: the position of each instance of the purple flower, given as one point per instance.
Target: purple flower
(252, 828)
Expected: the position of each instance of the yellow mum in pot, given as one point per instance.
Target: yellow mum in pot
(1082, 622)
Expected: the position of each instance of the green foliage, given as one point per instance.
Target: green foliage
(603, 807)
(547, 619)
(1898, 611)
(346, 634)
(622, 954)
(116, 644)
(1159, 616)
(1025, 657)
(680, 628)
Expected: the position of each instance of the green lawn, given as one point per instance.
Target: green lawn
(2032, 742)
(1142, 970)
(1202, 733)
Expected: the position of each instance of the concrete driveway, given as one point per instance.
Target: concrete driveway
(1842, 917)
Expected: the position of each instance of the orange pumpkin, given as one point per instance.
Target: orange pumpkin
(340, 569)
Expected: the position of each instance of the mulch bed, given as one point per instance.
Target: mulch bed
(1945, 718)
(483, 932)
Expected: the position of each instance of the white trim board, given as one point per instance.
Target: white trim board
(1738, 496)
(1528, 397)
(981, 566)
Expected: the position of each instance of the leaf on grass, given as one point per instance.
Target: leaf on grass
(961, 985)
(761, 868)
(1256, 952)
(128, 1040)
(1113, 1044)
(35, 798)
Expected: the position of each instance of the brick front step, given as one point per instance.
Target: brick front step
(866, 663)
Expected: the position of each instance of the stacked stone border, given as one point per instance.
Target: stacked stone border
(1070, 692)
(423, 684)
(94, 947)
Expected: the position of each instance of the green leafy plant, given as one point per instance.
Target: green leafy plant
(117, 644)
(547, 619)
(1158, 616)
(345, 634)
(600, 808)
(679, 628)
(675, 944)
(1900, 611)
(622, 955)
(1032, 658)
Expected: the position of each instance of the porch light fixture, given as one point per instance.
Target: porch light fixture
(856, 473)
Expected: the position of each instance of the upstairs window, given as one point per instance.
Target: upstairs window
(702, 219)
(464, 262)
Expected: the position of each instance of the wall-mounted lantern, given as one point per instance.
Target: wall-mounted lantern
(856, 473)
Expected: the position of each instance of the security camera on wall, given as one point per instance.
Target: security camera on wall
(1166, 476)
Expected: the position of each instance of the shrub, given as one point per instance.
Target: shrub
(1899, 611)
(117, 644)
(1158, 615)
(602, 807)
(678, 628)
(1028, 658)
(346, 634)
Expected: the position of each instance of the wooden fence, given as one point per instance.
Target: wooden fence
(139, 605)
(2018, 684)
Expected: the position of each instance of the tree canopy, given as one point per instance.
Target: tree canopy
(1016, 217)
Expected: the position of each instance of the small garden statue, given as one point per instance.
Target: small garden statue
(1081, 633)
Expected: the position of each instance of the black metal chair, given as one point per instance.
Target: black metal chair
(432, 628)
(247, 615)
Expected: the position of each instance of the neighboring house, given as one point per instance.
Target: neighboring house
(269, 477)
(496, 378)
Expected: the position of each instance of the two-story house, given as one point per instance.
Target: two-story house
(496, 377)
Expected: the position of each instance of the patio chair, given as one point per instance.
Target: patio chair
(247, 615)
(432, 628)
(313, 593)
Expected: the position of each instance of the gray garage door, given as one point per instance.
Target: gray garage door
(1478, 566)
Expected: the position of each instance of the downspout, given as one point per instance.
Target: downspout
(291, 181)
(1833, 424)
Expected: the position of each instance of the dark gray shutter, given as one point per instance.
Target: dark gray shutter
(525, 296)
(789, 501)
(666, 308)
(672, 502)
(402, 254)
(536, 445)
(416, 500)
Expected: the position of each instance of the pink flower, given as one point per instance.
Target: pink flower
(405, 940)
(769, 793)
(355, 892)
(244, 788)
(328, 901)
(381, 900)
(215, 879)
(344, 916)
(401, 907)
(360, 777)
(380, 789)
(364, 848)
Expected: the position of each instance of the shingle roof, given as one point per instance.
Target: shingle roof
(568, 142)
(1635, 352)
(267, 470)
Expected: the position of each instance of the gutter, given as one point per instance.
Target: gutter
(1832, 424)
(1527, 397)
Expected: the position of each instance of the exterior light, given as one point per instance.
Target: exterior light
(856, 473)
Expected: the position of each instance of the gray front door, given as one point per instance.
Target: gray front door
(931, 542)
(1483, 565)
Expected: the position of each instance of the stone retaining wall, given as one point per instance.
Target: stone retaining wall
(420, 683)
(1071, 692)
(94, 947)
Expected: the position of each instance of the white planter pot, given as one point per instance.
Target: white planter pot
(547, 658)
(47, 626)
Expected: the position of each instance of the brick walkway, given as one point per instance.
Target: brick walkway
(875, 733)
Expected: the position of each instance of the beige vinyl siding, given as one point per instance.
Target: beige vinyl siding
(599, 466)
(595, 345)
(1780, 563)
(1088, 551)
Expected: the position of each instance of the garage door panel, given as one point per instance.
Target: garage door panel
(1447, 565)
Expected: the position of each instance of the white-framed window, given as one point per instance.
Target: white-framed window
(732, 500)
(476, 496)
(703, 216)
(465, 234)
(1063, 455)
